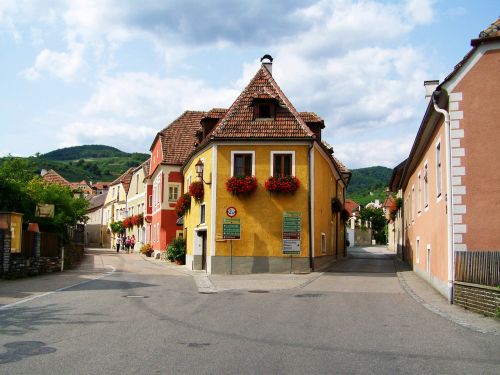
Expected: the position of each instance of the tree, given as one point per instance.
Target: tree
(377, 218)
(21, 189)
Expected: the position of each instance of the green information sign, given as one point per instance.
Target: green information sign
(292, 225)
(231, 229)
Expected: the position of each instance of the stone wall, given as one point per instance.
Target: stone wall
(21, 266)
(478, 298)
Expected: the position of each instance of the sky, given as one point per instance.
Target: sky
(116, 72)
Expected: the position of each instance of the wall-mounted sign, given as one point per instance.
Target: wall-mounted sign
(292, 225)
(231, 229)
(231, 211)
(44, 210)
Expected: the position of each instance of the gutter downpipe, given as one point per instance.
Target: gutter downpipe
(309, 203)
(449, 196)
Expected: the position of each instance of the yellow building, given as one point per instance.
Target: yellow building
(263, 146)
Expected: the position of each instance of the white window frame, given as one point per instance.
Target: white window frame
(412, 203)
(188, 182)
(426, 185)
(419, 191)
(203, 208)
(242, 152)
(417, 251)
(428, 259)
(282, 153)
(174, 185)
(323, 243)
(439, 171)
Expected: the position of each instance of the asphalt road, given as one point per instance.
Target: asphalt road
(147, 319)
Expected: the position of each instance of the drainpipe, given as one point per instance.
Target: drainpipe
(309, 205)
(449, 196)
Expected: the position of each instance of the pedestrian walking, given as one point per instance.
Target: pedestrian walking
(132, 242)
(118, 243)
(127, 244)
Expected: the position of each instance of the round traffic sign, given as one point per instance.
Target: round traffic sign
(231, 211)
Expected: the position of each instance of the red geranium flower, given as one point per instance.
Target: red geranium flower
(287, 184)
(241, 185)
(196, 190)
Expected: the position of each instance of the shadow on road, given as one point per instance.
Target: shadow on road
(21, 320)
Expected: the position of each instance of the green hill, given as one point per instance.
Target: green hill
(83, 152)
(88, 162)
(368, 184)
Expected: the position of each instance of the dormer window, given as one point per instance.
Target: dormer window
(264, 109)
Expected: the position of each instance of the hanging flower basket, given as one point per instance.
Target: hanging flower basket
(183, 204)
(288, 184)
(138, 220)
(241, 185)
(196, 190)
(127, 223)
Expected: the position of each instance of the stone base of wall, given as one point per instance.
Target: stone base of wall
(478, 298)
(246, 265)
(30, 266)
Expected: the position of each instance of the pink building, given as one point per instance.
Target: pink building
(450, 182)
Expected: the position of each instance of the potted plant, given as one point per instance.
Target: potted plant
(127, 223)
(176, 251)
(285, 184)
(147, 250)
(139, 220)
(183, 204)
(241, 185)
(196, 190)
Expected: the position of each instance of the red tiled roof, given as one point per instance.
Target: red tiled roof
(124, 179)
(145, 166)
(310, 117)
(351, 206)
(101, 185)
(179, 138)
(216, 113)
(239, 120)
(52, 177)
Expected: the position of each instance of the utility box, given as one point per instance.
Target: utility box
(13, 222)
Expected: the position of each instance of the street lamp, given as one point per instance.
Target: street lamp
(199, 166)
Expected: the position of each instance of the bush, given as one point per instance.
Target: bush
(146, 249)
(176, 250)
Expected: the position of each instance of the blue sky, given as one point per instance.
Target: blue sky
(116, 72)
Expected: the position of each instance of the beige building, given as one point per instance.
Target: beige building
(137, 201)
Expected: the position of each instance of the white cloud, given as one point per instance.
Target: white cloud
(124, 136)
(67, 66)
(384, 152)
(420, 11)
(150, 98)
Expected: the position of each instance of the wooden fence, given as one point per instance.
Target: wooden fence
(28, 244)
(49, 245)
(478, 267)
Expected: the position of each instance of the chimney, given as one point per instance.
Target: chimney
(430, 86)
(267, 62)
(43, 172)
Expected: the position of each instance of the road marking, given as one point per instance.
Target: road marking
(27, 299)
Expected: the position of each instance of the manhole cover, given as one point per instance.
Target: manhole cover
(258, 291)
(135, 296)
(308, 295)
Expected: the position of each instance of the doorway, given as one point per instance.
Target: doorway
(203, 250)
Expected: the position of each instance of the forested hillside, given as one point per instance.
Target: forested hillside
(88, 162)
(368, 184)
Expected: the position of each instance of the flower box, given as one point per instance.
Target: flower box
(241, 185)
(196, 190)
(288, 184)
(127, 223)
(183, 204)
